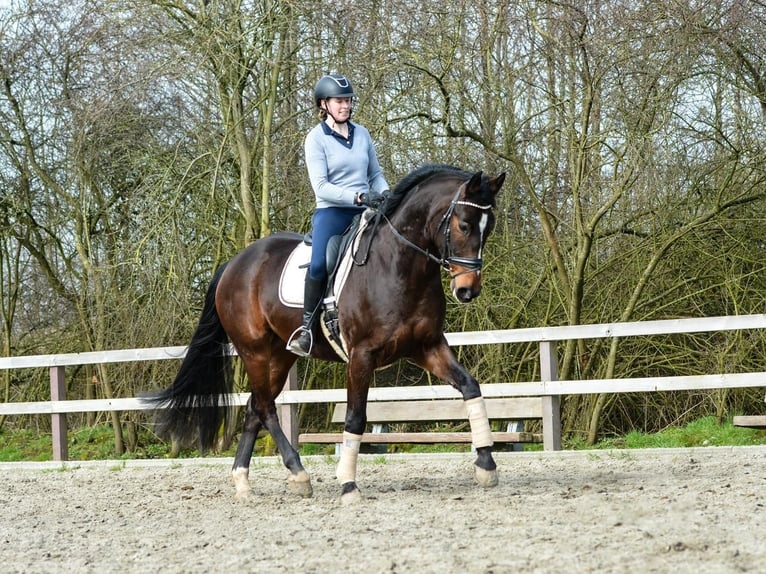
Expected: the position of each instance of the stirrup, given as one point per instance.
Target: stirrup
(294, 342)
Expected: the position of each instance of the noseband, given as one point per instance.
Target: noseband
(472, 264)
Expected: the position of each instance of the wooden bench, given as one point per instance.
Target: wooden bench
(430, 411)
(756, 422)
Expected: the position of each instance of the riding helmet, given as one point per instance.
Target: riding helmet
(332, 86)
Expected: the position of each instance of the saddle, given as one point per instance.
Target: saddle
(339, 258)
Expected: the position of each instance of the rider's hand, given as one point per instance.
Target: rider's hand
(371, 199)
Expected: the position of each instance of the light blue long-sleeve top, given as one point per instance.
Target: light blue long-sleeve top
(339, 168)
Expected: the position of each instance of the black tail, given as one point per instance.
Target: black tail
(197, 401)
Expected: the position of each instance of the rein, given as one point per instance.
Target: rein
(473, 264)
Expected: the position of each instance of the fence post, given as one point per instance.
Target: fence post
(549, 371)
(288, 416)
(58, 420)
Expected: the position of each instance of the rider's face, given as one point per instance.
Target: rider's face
(340, 108)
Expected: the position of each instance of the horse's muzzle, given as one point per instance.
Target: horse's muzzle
(466, 294)
(465, 285)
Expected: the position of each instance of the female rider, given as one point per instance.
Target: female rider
(345, 175)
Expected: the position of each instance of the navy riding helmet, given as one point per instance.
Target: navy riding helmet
(332, 86)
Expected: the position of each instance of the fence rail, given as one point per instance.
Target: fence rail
(549, 387)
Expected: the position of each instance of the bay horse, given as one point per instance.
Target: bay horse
(392, 306)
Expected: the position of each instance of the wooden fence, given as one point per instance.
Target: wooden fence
(549, 387)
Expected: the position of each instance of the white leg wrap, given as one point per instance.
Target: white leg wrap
(349, 453)
(481, 434)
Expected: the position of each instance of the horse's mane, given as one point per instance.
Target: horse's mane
(415, 178)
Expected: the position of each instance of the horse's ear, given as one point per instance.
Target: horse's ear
(497, 183)
(474, 184)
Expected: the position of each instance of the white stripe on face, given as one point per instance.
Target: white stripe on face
(483, 222)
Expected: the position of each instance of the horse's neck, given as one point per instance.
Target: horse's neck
(417, 220)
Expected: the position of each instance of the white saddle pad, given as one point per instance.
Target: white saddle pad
(294, 276)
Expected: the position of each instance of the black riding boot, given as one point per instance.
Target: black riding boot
(312, 295)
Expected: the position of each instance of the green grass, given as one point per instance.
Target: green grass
(87, 443)
(313, 449)
(24, 445)
(702, 432)
(97, 443)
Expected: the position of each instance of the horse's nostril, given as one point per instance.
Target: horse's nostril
(464, 294)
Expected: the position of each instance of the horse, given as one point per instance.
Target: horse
(392, 306)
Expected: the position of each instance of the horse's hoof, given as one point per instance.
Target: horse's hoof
(241, 485)
(485, 478)
(350, 494)
(300, 484)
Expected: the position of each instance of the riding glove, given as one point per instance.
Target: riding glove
(372, 199)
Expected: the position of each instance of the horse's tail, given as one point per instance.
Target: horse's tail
(197, 401)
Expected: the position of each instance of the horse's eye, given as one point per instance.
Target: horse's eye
(465, 227)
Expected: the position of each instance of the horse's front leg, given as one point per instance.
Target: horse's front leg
(441, 361)
(481, 437)
(359, 373)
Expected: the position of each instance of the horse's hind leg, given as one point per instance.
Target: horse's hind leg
(267, 376)
(299, 480)
(241, 469)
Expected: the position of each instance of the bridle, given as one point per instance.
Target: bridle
(447, 260)
(472, 264)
